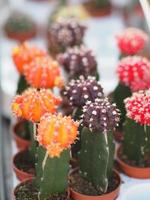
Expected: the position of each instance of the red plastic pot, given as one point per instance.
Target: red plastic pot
(132, 171)
(21, 175)
(20, 142)
(109, 196)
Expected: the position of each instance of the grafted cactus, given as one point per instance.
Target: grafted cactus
(134, 75)
(97, 147)
(31, 105)
(130, 41)
(22, 55)
(78, 92)
(136, 143)
(55, 135)
(79, 61)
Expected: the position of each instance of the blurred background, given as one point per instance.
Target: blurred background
(33, 18)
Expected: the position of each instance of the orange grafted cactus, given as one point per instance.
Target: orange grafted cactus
(56, 133)
(32, 104)
(43, 72)
(24, 54)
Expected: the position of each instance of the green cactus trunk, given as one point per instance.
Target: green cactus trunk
(96, 158)
(136, 143)
(51, 173)
(119, 95)
(22, 85)
(33, 146)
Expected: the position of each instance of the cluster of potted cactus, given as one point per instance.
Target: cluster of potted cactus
(132, 69)
(86, 135)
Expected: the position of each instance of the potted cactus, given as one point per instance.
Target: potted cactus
(22, 55)
(131, 41)
(20, 27)
(134, 153)
(79, 61)
(78, 92)
(55, 135)
(31, 105)
(95, 178)
(98, 8)
(64, 33)
(134, 75)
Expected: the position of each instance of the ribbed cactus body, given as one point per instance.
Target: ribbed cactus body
(136, 144)
(52, 175)
(120, 93)
(22, 85)
(96, 158)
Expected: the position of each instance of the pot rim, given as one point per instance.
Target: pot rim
(120, 161)
(16, 169)
(103, 195)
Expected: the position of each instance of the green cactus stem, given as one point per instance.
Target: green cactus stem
(120, 93)
(136, 143)
(96, 158)
(98, 3)
(33, 146)
(51, 173)
(22, 85)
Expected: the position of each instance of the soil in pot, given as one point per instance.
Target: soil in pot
(23, 161)
(26, 190)
(144, 163)
(82, 186)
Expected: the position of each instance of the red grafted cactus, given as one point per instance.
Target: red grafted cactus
(32, 104)
(82, 90)
(131, 41)
(43, 72)
(78, 61)
(134, 71)
(138, 107)
(56, 133)
(24, 54)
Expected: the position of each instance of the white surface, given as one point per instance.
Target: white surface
(101, 38)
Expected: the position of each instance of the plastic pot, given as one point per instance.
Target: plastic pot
(20, 142)
(21, 175)
(109, 196)
(132, 171)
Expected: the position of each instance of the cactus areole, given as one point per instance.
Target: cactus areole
(97, 147)
(136, 144)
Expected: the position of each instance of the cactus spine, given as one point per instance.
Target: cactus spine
(136, 144)
(96, 158)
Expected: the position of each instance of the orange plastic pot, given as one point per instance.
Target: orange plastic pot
(135, 172)
(109, 196)
(21, 175)
(21, 37)
(20, 142)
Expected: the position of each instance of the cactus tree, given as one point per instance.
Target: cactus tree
(55, 135)
(136, 144)
(97, 146)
